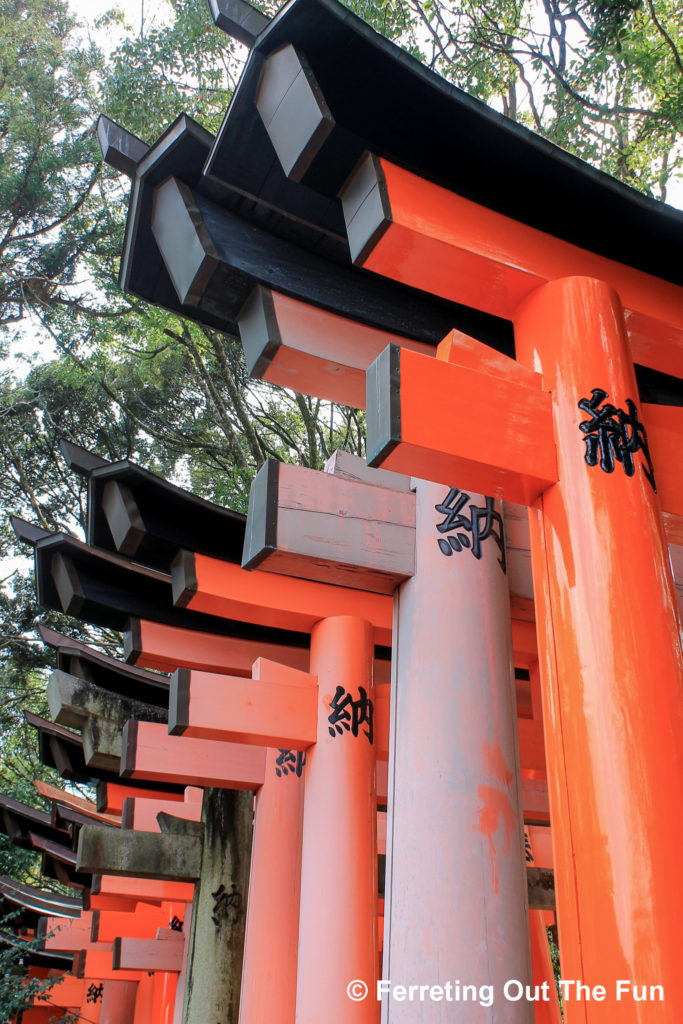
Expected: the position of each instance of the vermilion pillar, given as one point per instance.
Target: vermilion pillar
(455, 890)
(338, 924)
(118, 1002)
(612, 669)
(268, 994)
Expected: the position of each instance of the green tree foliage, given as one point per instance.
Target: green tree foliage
(601, 78)
(46, 168)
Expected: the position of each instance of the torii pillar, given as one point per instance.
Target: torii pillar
(612, 664)
(455, 887)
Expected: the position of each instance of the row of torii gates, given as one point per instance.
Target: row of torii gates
(478, 631)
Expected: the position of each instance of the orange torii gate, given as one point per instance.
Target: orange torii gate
(562, 430)
(606, 606)
(458, 216)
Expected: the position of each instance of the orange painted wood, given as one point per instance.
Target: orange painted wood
(37, 1015)
(116, 793)
(535, 804)
(97, 963)
(144, 1001)
(269, 973)
(524, 646)
(140, 813)
(323, 354)
(167, 648)
(118, 1003)
(453, 247)
(611, 668)
(279, 601)
(536, 690)
(69, 991)
(381, 832)
(500, 443)
(142, 923)
(665, 438)
(132, 954)
(531, 749)
(146, 889)
(115, 903)
(354, 467)
(339, 833)
(68, 934)
(541, 842)
(382, 781)
(165, 989)
(462, 350)
(546, 1010)
(150, 753)
(276, 708)
(77, 803)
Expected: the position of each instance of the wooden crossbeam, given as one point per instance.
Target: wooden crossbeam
(169, 648)
(141, 813)
(65, 935)
(409, 229)
(111, 795)
(315, 352)
(322, 527)
(509, 451)
(113, 675)
(153, 645)
(78, 803)
(201, 583)
(142, 923)
(110, 902)
(97, 964)
(239, 19)
(120, 148)
(211, 707)
(459, 426)
(150, 753)
(139, 854)
(215, 258)
(145, 517)
(277, 707)
(147, 889)
(130, 954)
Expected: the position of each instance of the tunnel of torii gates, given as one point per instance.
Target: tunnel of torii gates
(465, 656)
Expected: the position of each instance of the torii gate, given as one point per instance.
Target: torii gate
(562, 431)
(563, 272)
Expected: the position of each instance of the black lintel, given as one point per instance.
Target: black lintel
(216, 259)
(252, 252)
(107, 590)
(120, 148)
(383, 100)
(238, 19)
(40, 901)
(80, 460)
(147, 518)
(62, 749)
